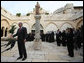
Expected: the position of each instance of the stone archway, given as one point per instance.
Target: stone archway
(27, 26)
(79, 24)
(51, 27)
(33, 28)
(5, 23)
(16, 25)
(65, 26)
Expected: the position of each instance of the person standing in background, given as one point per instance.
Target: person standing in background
(70, 46)
(6, 32)
(2, 30)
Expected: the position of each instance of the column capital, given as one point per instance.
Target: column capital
(37, 16)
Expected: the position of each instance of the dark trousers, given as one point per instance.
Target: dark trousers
(70, 49)
(58, 42)
(22, 49)
(63, 43)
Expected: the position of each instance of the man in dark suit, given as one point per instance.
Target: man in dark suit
(43, 37)
(52, 36)
(22, 35)
(58, 36)
(47, 36)
(6, 32)
(70, 45)
(63, 38)
(2, 31)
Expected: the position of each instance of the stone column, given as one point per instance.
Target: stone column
(37, 41)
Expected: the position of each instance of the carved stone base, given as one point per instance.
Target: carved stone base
(37, 44)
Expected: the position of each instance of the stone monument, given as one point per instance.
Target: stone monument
(37, 41)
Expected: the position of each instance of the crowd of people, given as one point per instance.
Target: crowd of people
(48, 37)
(71, 38)
(61, 36)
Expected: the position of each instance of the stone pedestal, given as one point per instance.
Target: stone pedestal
(37, 42)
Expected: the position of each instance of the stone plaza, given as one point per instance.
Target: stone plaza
(50, 52)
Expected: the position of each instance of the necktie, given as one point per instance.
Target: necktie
(19, 29)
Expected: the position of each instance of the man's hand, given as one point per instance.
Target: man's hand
(16, 38)
(11, 36)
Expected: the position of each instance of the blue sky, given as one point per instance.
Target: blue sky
(24, 7)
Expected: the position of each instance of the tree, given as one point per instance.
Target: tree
(28, 14)
(18, 14)
(12, 29)
(46, 13)
(40, 8)
(11, 41)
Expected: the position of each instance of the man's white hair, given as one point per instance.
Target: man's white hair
(20, 23)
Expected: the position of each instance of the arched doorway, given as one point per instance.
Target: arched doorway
(16, 25)
(65, 26)
(5, 24)
(51, 27)
(33, 29)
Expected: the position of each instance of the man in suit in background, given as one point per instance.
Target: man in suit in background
(6, 32)
(2, 31)
(22, 35)
(69, 39)
(58, 36)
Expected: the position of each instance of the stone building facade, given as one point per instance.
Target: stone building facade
(67, 16)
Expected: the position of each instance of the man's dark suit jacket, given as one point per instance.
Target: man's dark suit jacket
(22, 34)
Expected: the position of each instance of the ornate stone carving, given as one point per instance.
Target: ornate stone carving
(37, 8)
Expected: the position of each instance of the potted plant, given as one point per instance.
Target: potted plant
(11, 31)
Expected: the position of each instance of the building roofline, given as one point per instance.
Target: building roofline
(78, 6)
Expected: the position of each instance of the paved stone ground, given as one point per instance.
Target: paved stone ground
(50, 52)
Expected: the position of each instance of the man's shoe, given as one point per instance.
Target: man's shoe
(19, 58)
(23, 59)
